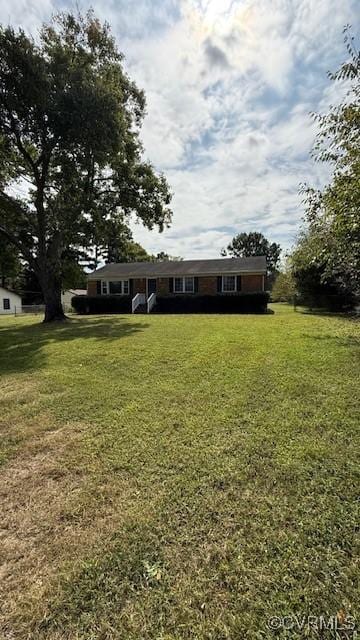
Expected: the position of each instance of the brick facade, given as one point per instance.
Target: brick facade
(251, 283)
(162, 286)
(207, 285)
(139, 285)
(91, 288)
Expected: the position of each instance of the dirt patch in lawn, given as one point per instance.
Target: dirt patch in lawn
(54, 507)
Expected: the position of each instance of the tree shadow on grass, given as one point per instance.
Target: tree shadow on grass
(341, 341)
(343, 315)
(22, 346)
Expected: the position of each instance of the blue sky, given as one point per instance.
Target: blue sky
(229, 86)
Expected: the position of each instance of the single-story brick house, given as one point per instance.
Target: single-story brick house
(180, 285)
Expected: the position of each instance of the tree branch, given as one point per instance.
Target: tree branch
(23, 250)
(16, 208)
(26, 155)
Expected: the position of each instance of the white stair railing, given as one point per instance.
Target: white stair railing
(151, 301)
(140, 298)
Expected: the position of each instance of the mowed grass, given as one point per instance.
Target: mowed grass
(177, 477)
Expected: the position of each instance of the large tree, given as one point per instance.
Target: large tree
(70, 154)
(332, 229)
(245, 245)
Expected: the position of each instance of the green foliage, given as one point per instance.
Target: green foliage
(165, 257)
(73, 274)
(330, 243)
(135, 253)
(254, 244)
(115, 243)
(284, 287)
(101, 304)
(10, 264)
(315, 286)
(240, 303)
(69, 124)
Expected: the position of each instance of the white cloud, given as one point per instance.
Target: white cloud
(229, 86)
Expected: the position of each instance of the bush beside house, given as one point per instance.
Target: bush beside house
(241, 303)
(101, 304)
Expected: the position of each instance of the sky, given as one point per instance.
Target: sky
(230, 85)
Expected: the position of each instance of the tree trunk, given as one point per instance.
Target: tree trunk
(54, 311)
(51, 288)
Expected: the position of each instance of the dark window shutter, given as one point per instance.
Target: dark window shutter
(196, 285)
(219, 283)
(171, 285)
(131, 287)
(98, 287)
(238, 283)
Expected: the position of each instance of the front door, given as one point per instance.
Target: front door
(151, 286)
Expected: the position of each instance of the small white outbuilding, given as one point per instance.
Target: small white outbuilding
(67, 296)
(10, 302)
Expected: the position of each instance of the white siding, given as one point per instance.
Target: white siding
(67, 296)
(14, 301)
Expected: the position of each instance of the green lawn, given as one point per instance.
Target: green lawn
(178, 477)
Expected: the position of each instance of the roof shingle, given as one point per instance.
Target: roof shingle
(256, 264)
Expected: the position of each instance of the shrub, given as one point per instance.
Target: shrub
(284, 287)
(241, 303)
(330, 302)
(101, 304)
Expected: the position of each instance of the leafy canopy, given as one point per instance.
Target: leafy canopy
(71, 160)
(330, 242)
(254, 244)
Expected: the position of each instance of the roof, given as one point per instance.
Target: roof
(10, 291)
(256, 264)
(77, 292)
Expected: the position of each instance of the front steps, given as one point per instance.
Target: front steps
(141, 308)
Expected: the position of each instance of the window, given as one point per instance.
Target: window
(229, 283)
(104, 288)
(6, 304)
(184, 285)
(119, 287)
(115, 287)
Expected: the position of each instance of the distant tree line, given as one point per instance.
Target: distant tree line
(118, 246)
(246, 245)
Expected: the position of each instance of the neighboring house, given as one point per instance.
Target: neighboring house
(67, 296)
(10, 302)
(144, 281)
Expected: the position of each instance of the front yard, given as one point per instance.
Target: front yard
(178, 477)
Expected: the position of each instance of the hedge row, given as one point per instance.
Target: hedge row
(101, 304)
(241, 303)
(330, 302)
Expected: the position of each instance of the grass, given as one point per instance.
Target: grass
(177, 477)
